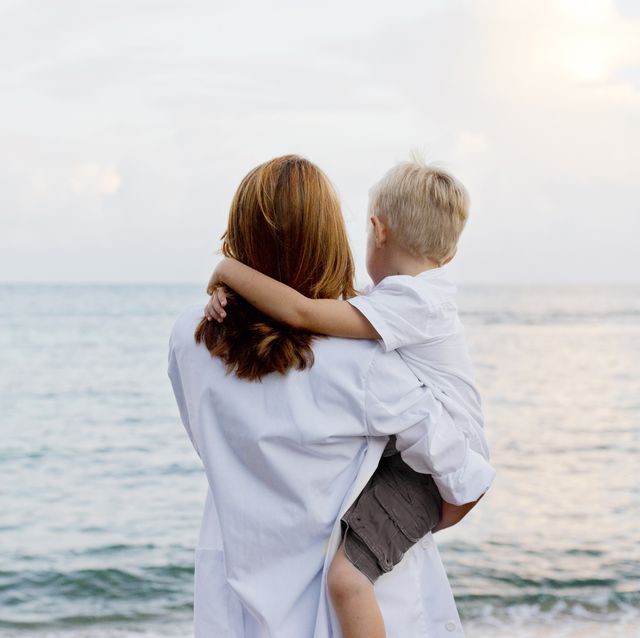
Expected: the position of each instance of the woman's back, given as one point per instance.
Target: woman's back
(280, 456)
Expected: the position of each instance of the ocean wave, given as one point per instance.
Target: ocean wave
(32, 599)
(40, 599)
(599, 605)
(487, 318)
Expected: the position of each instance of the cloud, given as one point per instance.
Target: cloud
(535, 105)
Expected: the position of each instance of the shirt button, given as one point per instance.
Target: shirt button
(426, 542)
(450, 626)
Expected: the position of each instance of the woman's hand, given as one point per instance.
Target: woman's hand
(452, 514)
(214, 310)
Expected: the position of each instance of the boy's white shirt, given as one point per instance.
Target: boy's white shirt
(418, 317)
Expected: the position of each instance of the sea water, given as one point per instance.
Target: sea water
(101, 493)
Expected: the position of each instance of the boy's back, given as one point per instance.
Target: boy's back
(418, 316)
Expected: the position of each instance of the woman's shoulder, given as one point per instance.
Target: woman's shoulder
(186, 322)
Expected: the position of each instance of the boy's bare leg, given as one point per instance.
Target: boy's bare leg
(354, 599)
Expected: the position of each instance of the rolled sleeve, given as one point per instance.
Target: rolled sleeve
(399, 311)
(436, 447)
(426, 436)
(377, 319)
(469, 483)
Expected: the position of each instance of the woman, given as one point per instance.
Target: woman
(290, 428)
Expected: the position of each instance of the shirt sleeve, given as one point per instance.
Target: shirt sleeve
(426, 436)
(397, 311)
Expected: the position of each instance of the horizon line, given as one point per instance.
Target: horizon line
(534, 284)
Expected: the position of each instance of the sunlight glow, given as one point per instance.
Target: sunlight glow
(587, 60)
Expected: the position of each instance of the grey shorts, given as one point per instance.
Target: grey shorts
(396, 508)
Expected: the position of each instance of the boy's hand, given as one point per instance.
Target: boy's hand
(214, 310)
(214, 281)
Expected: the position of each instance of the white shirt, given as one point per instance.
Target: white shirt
(418, 317)
(284, 459)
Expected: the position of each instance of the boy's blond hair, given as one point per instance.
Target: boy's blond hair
(425, 207)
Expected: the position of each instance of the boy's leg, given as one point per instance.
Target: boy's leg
(354, 599)
(396, 508)
(351, 576)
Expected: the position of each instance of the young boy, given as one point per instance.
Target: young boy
(417, 213)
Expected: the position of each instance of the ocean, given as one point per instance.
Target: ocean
(101, 492)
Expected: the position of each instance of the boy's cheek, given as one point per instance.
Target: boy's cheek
(371, 242)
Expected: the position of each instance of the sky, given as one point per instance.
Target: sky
(126, 127)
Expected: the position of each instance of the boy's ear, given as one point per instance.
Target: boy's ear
(379, 231)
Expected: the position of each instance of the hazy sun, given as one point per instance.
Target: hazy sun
(586, 61)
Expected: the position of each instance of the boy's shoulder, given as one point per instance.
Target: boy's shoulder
(409, 310)
(433, 289)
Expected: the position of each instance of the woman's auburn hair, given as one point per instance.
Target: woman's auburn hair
(285, 221)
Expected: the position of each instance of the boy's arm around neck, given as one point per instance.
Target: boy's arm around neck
(333, 317)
